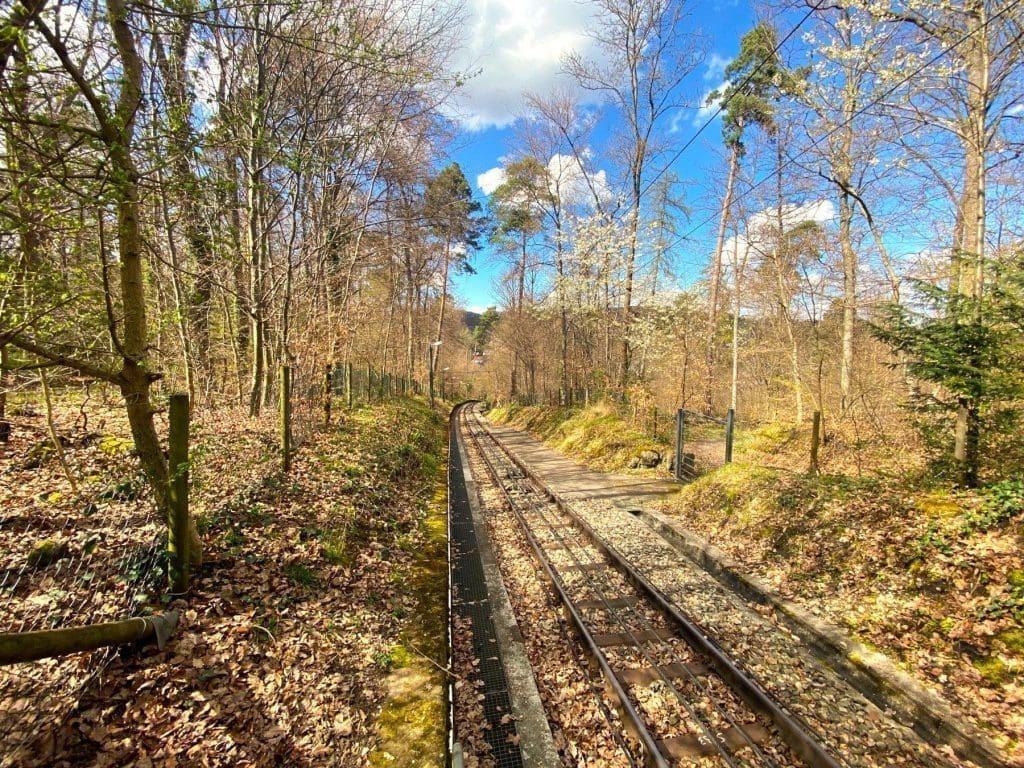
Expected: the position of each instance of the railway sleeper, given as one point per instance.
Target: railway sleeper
(736, 739)
(676, 670)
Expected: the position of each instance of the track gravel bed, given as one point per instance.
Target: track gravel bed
(689, 716)
(845, 721)
(578, 709)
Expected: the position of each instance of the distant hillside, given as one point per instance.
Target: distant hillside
(471, 320)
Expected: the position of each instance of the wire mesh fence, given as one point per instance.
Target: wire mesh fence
(355, 384)
(307, 399)
(702, 443)
(71, 553)
(81, 542)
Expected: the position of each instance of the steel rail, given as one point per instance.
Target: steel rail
(562, 619)
(638, 623)
(652, 756)
(597, 583)
(803, 744)
(712, 735)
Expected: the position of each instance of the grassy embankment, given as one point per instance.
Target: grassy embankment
(930, 575)
(595, 436)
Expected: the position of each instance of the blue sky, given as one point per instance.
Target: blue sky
(517, 45)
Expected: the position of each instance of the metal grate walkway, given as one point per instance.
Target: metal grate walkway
(471, 601)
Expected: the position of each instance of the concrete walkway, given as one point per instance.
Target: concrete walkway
(574, 482)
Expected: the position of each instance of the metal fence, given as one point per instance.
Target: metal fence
(354, 384)
(702, 443)
(85, 552)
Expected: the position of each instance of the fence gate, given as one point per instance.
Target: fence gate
(703, 443)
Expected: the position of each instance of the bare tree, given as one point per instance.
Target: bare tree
(647, 52)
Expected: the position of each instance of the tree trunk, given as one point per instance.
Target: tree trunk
(716, 279)
(782, 295)
(627, 293)
(441, 309)
(410, 301)
(738, 268)
(134, 378)
(180, 299)
(849, 302)
(563, 316)
(517, 338)
(257, 244)
(969, 261)
(197, 242)
(5, 425)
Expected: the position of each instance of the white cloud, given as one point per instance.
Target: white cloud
(1016, 109)
(759, 236)
(708, 108)
(735, 249)
(716, 67)
(819, 211)
(569, 181)
(517, 46)
(488, 181)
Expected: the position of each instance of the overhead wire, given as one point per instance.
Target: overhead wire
(857, 113)
(724, 102)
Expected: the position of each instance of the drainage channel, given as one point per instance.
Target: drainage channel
(471, 602)
(496, 700)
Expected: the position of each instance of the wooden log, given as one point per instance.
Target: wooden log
(17, 647)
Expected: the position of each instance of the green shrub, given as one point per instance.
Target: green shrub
(1001, 502)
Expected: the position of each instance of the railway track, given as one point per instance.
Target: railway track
(681, 699)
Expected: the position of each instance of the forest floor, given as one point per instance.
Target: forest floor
(930, 575)
(314, 631)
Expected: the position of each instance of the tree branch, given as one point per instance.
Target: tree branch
(21, 16)
(58, 358)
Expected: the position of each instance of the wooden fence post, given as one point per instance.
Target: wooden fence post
(348, 384)
(730, 426)
(178, 524)
(430, 373)
(815, 442)
(328, 393)
(286, 417)
(680, 416)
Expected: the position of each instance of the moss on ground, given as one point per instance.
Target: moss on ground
(411, 726)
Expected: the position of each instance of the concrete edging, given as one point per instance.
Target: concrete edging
(535, 740)
(870, 672)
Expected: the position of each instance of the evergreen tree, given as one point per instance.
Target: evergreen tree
(969, 345)
(454, 218)
(756, 78)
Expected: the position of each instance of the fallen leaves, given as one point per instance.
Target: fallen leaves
(269, 665)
